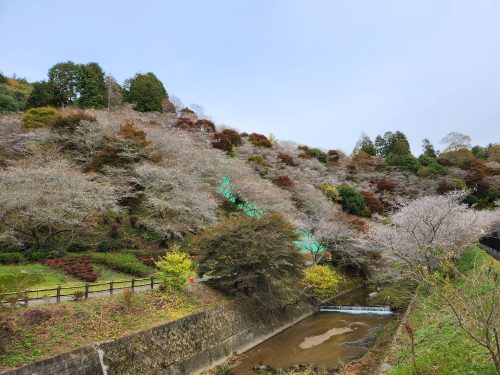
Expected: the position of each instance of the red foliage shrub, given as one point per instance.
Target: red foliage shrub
(186, 123)
(351, 168)
(477, 170)
(287, 159)
(355, 222)
(233, 136)
(260, 140)
(80, 267)
(372, 201)
(205, 125)
(222, 142)
(385, 185)
(148, 260)
(131, 133)
(445, 186)
(283, 181)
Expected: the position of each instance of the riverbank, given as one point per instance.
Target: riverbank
(440, 346)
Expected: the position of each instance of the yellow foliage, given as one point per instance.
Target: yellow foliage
(40, 117)
(322, 280)
(329, 191)
(174, 268)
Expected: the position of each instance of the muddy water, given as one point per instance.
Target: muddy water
(325, 340)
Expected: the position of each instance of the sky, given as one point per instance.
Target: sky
(318, 72)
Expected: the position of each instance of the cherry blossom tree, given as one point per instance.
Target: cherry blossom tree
(38, 203)
(432, 229)
(176, 202)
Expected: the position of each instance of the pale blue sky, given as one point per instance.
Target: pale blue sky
(317, 72)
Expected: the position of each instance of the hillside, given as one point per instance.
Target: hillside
(160, 185)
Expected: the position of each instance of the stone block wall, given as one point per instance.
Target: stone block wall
(184, 346)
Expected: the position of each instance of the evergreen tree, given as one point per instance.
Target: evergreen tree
(91, 86)
(63, 78)
(147, 92)
(41, 96)
(366, 145)
(428, 148)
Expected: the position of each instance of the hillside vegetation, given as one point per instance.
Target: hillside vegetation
(148, 186)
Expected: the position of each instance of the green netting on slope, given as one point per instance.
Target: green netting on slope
(306, 243)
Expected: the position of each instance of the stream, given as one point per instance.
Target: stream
(324, 339)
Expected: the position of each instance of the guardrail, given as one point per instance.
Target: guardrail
(78, 291)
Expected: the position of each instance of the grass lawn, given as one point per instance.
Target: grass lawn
(39, 276)
(32, 333)
(442, 347)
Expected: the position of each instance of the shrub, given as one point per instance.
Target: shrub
(72, 120)
(80, 267)
(406, 162)
(9, 258)
(205, 125)
(174, 268)
(107, 246)
(123, 262)
(257, 159)
(233, 136)
(187, 110)
(352, 201)
(460, 158)
(445, 186)
(430, 166)
(287, 159)
(40, 117)
(334, 155)
(321, 280)
(385, 185)
(459, 184)
(318, 154)
(222, 142)
(78, 246)
(186, 123)
(259, 140)
(283, 181)
(129, 132)
(373, 202)
(329, 191)
(361, 158)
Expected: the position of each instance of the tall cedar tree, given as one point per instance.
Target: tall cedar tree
(147, 92)
(91, 86)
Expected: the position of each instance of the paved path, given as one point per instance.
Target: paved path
(104, 293)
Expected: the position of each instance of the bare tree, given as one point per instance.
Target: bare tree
(177, 103)
(455, 141)
(176, 202)
(200, 111)
(39, 203)
(114, 92)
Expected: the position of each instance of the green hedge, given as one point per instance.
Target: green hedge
(123, 262)
(9, 258)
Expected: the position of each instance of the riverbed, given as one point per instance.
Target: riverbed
(325, 340)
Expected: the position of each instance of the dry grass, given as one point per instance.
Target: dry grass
(29, 334)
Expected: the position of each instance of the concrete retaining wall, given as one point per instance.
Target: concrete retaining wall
(184, 346)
